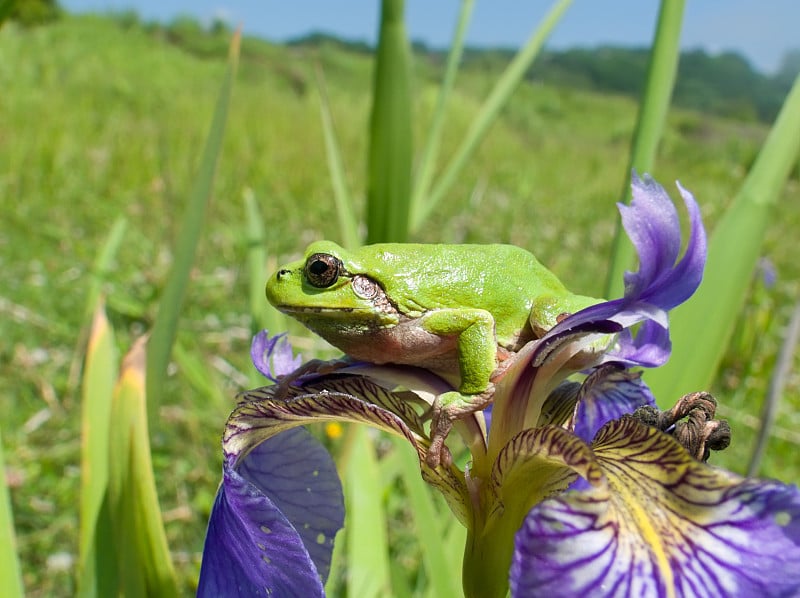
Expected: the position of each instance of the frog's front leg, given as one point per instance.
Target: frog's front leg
(448, 408)
(477, 360)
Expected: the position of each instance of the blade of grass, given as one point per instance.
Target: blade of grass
(389, 170)
(428, 525)
(166, 323)
(430, 153)
(97, 566)
(102, 266)
(661, 73)
(262, 314)
(9, 562)
(100, 270)
(345, 208)
(145, 565)
(199, 375)
(490, 109)
(367, 543)
(780, 376)
(701, 327)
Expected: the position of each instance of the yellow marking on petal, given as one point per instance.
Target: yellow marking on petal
(265, 529)
(321, 538)
(633, 504)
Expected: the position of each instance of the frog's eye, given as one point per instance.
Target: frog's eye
(322, 269)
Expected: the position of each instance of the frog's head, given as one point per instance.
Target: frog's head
(329, 283)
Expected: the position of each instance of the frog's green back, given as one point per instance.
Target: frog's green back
(502, 279)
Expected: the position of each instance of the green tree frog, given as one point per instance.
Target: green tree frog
(456, 310)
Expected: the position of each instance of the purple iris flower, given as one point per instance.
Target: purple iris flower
(566, 493)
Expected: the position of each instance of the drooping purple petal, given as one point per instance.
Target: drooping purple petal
(273, 522)
(660, 284)
(608, 393)
(660, 523)
(652, 224)
(272, 355)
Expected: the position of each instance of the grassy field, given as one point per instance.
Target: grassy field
(97, 121)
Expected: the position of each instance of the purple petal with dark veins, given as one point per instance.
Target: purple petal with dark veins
(265, 348)
(660, 523)
(273, 522)
(608, 393)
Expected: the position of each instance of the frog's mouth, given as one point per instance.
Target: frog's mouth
(311, 309)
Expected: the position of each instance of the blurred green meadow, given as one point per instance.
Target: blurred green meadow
(103, 117)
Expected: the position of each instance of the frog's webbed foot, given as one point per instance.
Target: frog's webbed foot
(447, 408)
(315, 366)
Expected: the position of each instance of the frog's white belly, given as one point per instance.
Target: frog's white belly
(405, 343)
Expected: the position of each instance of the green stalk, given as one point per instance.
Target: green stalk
(430, 153)
(262, 314)
(389, 170)
(367, 543)
(491, 108)
(345, 209)
(661, 73)
(169, 309)
(428, 523)
(701, 328)
(9, 561)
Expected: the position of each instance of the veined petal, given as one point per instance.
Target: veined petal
(261, 418)
(341, 398)
(273, 522)
(660, 524)
(536, 463)
(608, 393)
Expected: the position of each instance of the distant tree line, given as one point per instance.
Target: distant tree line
(725, 83)
(29, 12)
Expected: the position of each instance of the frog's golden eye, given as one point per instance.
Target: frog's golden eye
(322, 270)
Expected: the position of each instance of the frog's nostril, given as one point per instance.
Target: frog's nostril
(282, 273)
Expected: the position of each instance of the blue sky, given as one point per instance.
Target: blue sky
(762, 30)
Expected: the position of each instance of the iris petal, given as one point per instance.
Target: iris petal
(536, 463)
(353, 399)
(608, 393)
(266, 348)
(651, 222)
(272, 525)
(660, 284)
(660, 524)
